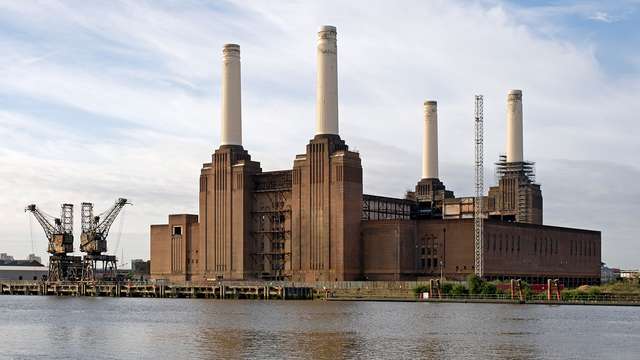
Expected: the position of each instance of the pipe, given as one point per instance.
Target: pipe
(514, 126)
(430, 142)
(327, 82)
(231, 99)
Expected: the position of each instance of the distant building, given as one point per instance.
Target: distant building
(5, 257)
(33, 257)
(11, 269)
(608, 274)
(630, 274)
(141, 267)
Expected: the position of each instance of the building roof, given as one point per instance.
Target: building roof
(23, 268)
(23, 263)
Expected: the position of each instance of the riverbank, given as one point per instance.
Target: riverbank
(493, 301)
(338, 291)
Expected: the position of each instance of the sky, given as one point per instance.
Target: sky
(100, 100)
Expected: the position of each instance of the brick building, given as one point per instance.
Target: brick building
(313, 223)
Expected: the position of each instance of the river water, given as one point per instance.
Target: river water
(118, 328)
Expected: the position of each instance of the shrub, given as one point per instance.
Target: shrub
(420, 289)
(488, 289)
(458, 289)
(446, 288)
(475, 284)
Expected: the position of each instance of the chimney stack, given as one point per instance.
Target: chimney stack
(327, 82)
(514, 126)
(430, 142)
(231, 102)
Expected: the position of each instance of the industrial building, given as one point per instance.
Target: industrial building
(313, 223)
(30, 269)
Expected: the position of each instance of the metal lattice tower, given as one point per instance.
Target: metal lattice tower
(66, 217)
(86, 216)
(479, 179)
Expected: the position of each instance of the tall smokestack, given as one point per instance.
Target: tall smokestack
(430, 142)
(514, 126)
(327, 82)
(231, 103)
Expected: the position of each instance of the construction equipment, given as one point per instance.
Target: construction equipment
(93, 240)
(479, 186)
(59, 233)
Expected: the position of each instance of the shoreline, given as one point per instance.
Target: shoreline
(268, 291)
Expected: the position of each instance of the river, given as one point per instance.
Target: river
(119, 328)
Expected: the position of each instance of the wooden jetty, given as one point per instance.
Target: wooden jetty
(150, 290)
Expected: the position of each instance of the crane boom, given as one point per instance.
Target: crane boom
(47, 226)
(110, 216)
(59, 233)
(95, 229)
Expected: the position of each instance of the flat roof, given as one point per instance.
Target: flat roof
(24, 268)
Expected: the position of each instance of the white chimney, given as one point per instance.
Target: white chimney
(514, 126)
(231, 102)
(430, 142)
(327, 82)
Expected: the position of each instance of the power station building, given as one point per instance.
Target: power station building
(313, 222)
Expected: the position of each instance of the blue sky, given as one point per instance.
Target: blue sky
(106, 99)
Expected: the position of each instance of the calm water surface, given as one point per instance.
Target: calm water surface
(64, 327)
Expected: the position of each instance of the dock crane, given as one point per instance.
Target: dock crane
(93, 240)
(59, 233)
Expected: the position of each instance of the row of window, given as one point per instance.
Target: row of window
(429, 263)
(545, 246)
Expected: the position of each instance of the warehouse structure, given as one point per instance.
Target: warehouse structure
(313, 223)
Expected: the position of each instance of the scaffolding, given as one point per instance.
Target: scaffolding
(271, 225)
(525, 169)
(521, 175)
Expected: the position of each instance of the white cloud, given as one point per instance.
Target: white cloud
(603, 16)
(146, 77)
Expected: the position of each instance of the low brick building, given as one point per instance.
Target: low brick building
(420, 249)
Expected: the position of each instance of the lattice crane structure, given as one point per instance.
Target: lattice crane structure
(59, 233)
(479, 186)
(93, 240)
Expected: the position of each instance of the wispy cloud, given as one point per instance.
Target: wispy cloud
(603, 17)
(122, 99)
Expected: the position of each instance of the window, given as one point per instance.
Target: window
(177, 230)
(422, 263)
(571, 248)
